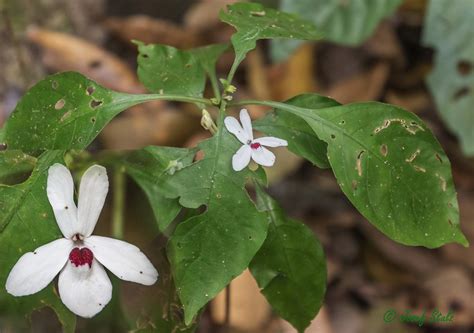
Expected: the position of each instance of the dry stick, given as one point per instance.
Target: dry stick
(227, 309)
(19, 55)
(118, 203)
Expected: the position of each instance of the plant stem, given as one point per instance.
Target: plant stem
(215, 85)
(238, 59)
(118, 202)
(140, 98)
(256, 102)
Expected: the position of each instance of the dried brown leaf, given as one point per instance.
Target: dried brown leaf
(152, 30)
(361, 87)
(63, 52)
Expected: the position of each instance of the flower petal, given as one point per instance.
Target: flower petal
(246, 123)
(123, 259)
(60, 191)
(234, 127)
(271, 141)
(263, 156)
(35, 270)
(92, 193)
(85, 293)
(241, 158)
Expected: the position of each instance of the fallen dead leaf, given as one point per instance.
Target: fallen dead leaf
(152, 30)
(451, 288)
(320, 324)
(204, 15)
(249, 310)
(416, 101)
(361, 87)
(385, 44)
(296, 75)
(257, 75)
(153, 124)
(63, 52)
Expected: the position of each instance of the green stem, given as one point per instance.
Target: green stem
(271, 104)
(215, 85)
(238, 59)
(140, 98)
(118, 203)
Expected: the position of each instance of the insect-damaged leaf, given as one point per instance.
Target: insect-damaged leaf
(147, 166)
(165, 69)
(63, 111)
(301, 138)
(253, 21)
(27, 222)
(208, 250)
(290, 267)
(449, 29)
(392, 169)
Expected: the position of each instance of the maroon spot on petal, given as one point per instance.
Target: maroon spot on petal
(255, 145)
(80, 257)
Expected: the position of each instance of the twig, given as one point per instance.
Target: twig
(118, 203)
(227, 309)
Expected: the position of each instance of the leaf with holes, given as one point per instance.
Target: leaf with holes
(208, 250)
(27, 222)
(167, 70)
(392, 169)
(147, 166)
(449, 29)
(63, 111)
(345, 22)
(301, 138)
(290, 267)
(253, 21)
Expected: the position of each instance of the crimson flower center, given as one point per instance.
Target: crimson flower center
(255, 145)
(80, 257)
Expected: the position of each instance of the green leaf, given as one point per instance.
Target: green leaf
(253, 21)
(448, 28)
(392, 169)
(208, 250)
(290, 267)
(301, 138)
(167, 70)
(64, 111)
(208, 55)
(147, 166)
(14, 164)
(27, 222)
(344, 22)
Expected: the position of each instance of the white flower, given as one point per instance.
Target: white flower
(252, 148)
(84, 286)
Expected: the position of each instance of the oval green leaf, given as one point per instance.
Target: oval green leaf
(290, 267)
(392, 169)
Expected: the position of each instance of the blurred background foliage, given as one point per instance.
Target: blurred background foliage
(417, 54)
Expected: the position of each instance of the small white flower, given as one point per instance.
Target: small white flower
(84, 286)
(252, 148)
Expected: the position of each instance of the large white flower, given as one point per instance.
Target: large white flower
(252, 148)
(84, 286)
